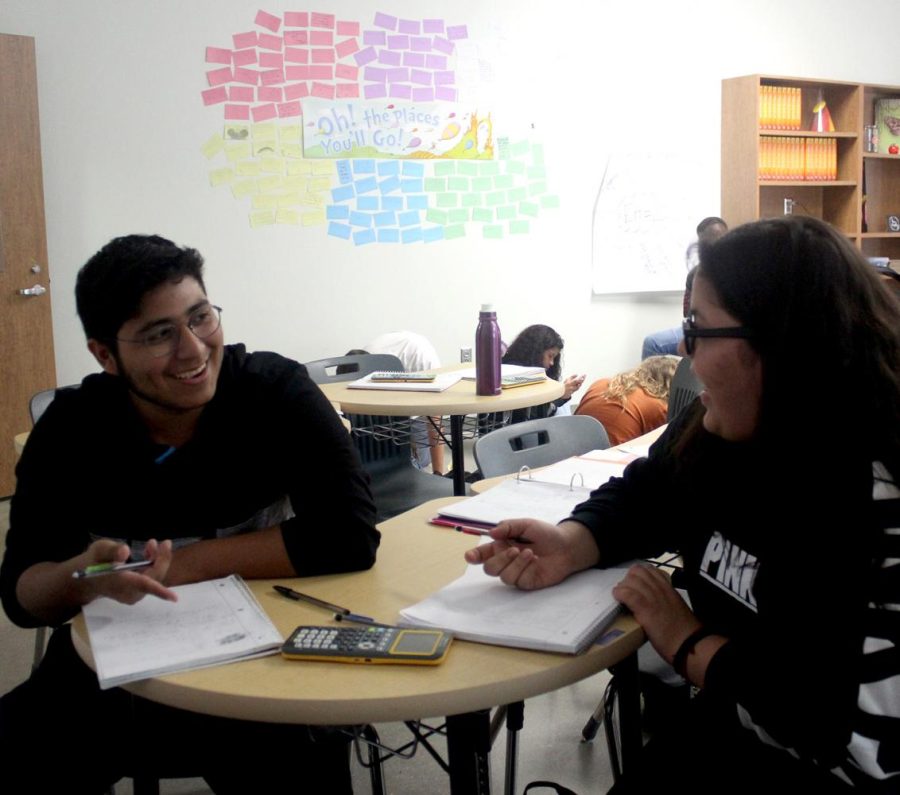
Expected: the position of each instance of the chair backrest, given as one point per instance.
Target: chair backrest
(685, 387)
(40, 400)
(349, 368)
(537, 443)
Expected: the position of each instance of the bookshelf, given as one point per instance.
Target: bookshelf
(840, 201)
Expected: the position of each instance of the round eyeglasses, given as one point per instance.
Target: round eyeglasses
(163, 339)
(691, 333)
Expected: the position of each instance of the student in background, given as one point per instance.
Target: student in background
(633, 403)
(788, 528)
(541, 346)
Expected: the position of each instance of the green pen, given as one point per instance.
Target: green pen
(99, 569)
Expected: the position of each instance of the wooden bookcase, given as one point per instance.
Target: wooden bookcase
(746, 197)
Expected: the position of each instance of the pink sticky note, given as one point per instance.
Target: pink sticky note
(213, 96)
(398, 42)
(346, 72)
(432, 26)
(442, 45)
(346, 47)
(347, 28)
(243, 40)
(269, 94)
(444, 78)
(218, 76)
(271, 60)
(436, 61)
(346, 90)
(264, 112)
(240, 94)
(423, 94)
(267, 21)
(237, 112)
(296, 19)
(289, 109)
(297, 72)
(374, 38)
(296, 55)
(321, 38)
(269, 42)
(317, 20)
(296, 91)
(296, 37)
(412, 26)
(321, 72)
(218, 55)
(322, 90)
(385, 21)
(420, 76)
(365, 56)
(390, 57)
(271, 77)
(455, 32)
(323, 55)
(445, 93)
(248, 76)
(400, 91)
(243, 57)
(375, 91)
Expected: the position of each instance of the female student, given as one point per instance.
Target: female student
(785, 508)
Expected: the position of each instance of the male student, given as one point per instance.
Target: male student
(203, 458)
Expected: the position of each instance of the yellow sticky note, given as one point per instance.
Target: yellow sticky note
(287, 217)
(267, 184)
(265, 131)
(237, 151)
(247, 168)
(221, 176)
(263, 201)
(320, 183)
(313, 199)
(299, 167)
(245, 187)
(314, 218)
(289, 198)
(295, 181)
(291, 150)
(262, 218)
(213, 146)
(321, 167)
(271, 165)
(290, 133)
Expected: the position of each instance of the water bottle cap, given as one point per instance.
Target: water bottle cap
(487, 307)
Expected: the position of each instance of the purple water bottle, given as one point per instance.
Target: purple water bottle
(487, 352)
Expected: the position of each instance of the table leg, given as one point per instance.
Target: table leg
(458, 455)
(515, 719)
(468, 751)
(629, 695)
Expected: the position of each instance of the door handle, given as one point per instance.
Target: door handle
(38, 289)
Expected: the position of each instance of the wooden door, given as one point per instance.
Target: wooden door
(26, 331)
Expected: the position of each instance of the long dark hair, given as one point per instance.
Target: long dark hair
(528, 349)
(826, 329)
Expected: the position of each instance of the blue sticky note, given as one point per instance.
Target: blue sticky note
(342, 193)
(366, 184)
(367, 203)
(339, 230)
(360, 219)
(364, 236)
(344, 170)
(339, 212)
(392, 202)
(364, 166)
(389, 185)
(411, 235)
(408, 218)
(389, 235)
(419, 202)
(385, 219)
(412, 185)
(411, 169)
(388, 168)
(433, 233)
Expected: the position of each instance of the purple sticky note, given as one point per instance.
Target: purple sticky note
(296, 19)
(321, 38)
(271, 77)
(219, 76)
(420, 44)
(445, 94)
(398, 42)
(296, 91)
(264, 112)
(267, 21)
(344, 71)
(218, 55)
(213, 96)
(347, 90)
(271, 60)
(243, 40)
(296, 55)
(432, 25)
(374, 38)
(423, 94)
(385, 21)
(389, 57)
(269, 42)
(237, 112)
(323, 55)
(347, 28)
(269, 94)
(365, 56)
(400, 91)
(243, 57)
(346, 47)
(322, 90)
(240, 93)
(318, 20)
(456, 32)
(397, 74)
(420, 76)
(375, 91)
(286, 109)
(321, 72)
(296, 72)
(375, 74)
(412, 26)
(412, 58)
(296, 38)
(438, 62)
(444, 78)
(442, 45)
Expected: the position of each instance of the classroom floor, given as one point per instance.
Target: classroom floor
(549, 745)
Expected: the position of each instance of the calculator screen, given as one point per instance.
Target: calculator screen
(416, 642)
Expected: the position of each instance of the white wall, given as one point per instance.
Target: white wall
(122, 125)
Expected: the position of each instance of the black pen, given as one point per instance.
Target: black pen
(474, 531)
(290, 593)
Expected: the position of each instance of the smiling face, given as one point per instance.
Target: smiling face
(180, 382)
(729, 368)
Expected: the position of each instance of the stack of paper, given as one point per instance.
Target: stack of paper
(441, 382)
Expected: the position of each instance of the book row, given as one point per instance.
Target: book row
(785, 158)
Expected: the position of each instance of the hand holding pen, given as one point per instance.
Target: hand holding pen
(104, 571)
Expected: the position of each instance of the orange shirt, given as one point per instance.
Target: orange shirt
(640, 414)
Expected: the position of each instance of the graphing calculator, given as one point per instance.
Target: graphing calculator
(376, 644)
(387, 375)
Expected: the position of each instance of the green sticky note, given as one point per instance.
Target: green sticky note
(467, 168)
(482, 183)
(537, 154)
(436, 216)
(536, 188)
(493, 199)
(492, 232)
(528, 208)
(503, 181)
(549, 201)
(472, 199)
(516, 194)
(515, 167)
(457, 183)
(483, 215)
(458, 216)
(435, 184)
(489, 169)
(537, 172)
(444, 168)
(447, 199)
(519, 148)
(506, 213)
(451, 232)
(518, 227)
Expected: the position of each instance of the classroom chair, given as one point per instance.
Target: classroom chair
(685, 387)
(537, 443)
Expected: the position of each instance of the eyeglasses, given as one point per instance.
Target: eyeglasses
(691, 332)
(162, 340)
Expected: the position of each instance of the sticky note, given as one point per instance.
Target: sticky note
(375, 91)
(217, 77)
(399, 42)
(388, 235)
(506, 212)
(412, 235)
(360, 219)
(296, 91)
(263, 112)
(268, 21)
(270, 94)
(338, 211)
(346, 47)
(269, 42)
(323, 55)
(420, 43)
(286, 216)
(344, 71)
(366, 185)
(367, 203)
(482, 215)
(435, 184)
(454, 231)
(320, 38)
(218, 55)
(456, 32)
(347, 28)
(244, 187)
(244, 75)
(417, 202)
(262, 218)
(432, 234)
(322, 90)
(339, 230)
(296, 38)
(363, 236)
(221, 176)
(391, 57)
(458, 215)
(408, 218)
(447, 199)
(436, 216)
(243, 57)
(263, 202)
(247, 168)
(409, 26)
(213, 96)
(318, 20)
(296, 19)
(472, 200)
(385, 21)
(518, 227)
(342, 193)
(445, 94)
(441, 44)
(491, 232)
(549, 202)
(313, 218)
(271, 60)
(443, 168)
(243, 40)
(458, 183)
(287, 109)
(528, 208)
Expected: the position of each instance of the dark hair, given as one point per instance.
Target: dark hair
(528, 349)
(824, 326)
(707, 223)
(112, 283)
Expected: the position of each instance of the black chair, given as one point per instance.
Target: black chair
(382, 442)
(685, 387)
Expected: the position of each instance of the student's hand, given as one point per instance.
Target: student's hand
(128, 587)
(531, 554)
(572, 384)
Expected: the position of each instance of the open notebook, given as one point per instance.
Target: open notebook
(212, 622)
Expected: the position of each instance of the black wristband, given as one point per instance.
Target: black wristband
(679, 661)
